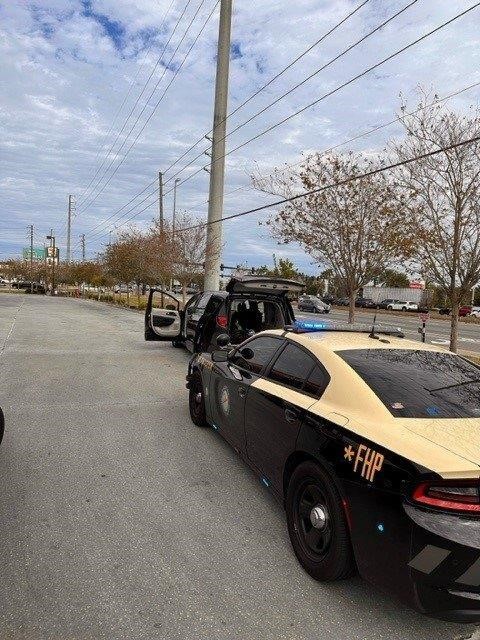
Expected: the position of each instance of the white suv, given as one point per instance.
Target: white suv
(399, 305)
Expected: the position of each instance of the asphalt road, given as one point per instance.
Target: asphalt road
(437, 331)
(121, 520)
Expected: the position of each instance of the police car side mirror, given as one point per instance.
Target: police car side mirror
(220, 356)
(223, 340)
(247, 353)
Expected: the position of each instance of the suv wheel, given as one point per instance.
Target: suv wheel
(317, 525)
(390, 308)
(404, 308)
(196, 401)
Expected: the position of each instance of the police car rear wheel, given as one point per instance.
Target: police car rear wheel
(196, 401)
(317, 525)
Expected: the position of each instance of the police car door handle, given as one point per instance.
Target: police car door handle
(290, 415)
(242, 392)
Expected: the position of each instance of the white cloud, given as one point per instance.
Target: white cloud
(66, 67)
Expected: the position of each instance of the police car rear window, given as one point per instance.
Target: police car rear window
(419, 384)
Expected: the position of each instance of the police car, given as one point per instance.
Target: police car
(371, 442)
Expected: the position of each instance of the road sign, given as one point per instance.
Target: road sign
(424, 317)
(38, 254)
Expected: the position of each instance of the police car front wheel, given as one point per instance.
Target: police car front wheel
(317, 524)
(196, 401)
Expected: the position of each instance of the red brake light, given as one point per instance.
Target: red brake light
(222, 321)
(458, 495)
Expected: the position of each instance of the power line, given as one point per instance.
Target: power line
(340, 183)
(305, 80)
(333, 91)
(328, 150)
(177, 71)
(273, 79)
(146, 83)
(333, 185)
(119, 110)
(267, 84)
(338, 88)
(161, 97)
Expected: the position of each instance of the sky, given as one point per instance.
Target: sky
(98, 96)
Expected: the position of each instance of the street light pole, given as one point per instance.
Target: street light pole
(160, 200)
(175, 184)
(82, 244)
(69, 227)
(51, 237)
(217, 166)
(31, 258)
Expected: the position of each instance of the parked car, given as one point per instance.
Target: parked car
(37, 288)
(313, 305)
(328, 299)
(372, 447)
(402, 305)
(385, 303)
(20, 284)
(342, 302)
(475, 312)
(465, 310)
(365, 303)
(122, 288)
(248, 305)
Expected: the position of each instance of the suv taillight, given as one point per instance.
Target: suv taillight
(222, 321)
(454, 495)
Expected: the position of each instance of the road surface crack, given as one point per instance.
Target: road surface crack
(12, 326)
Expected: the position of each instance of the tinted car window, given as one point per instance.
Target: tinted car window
(419, 384)
(263, 349)
(292, 367)
(212, 304)
(316, 382)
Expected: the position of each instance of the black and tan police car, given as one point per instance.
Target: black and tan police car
(371, 442)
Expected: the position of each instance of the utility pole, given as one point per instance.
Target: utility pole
(82, 244)
(31, 258)
(51, 237)
(69, 226)
(160, 200)
(217, 166)
(175, 184)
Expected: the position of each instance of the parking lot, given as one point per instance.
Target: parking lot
(121, 520)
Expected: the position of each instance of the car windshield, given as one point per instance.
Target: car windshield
(419, 384)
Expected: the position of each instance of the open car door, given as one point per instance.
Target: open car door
(163, 318)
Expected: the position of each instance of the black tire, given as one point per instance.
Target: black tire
(2, 425)
(196, 401)
(404, 308)
(324, 551)
(177, 343)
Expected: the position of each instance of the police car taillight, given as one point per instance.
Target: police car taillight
(455, 495)
(222, 321)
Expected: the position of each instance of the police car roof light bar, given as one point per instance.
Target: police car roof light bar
(301, 326)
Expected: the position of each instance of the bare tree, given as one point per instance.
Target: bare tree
(357, 229)
(446, 190)
(190, 246)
